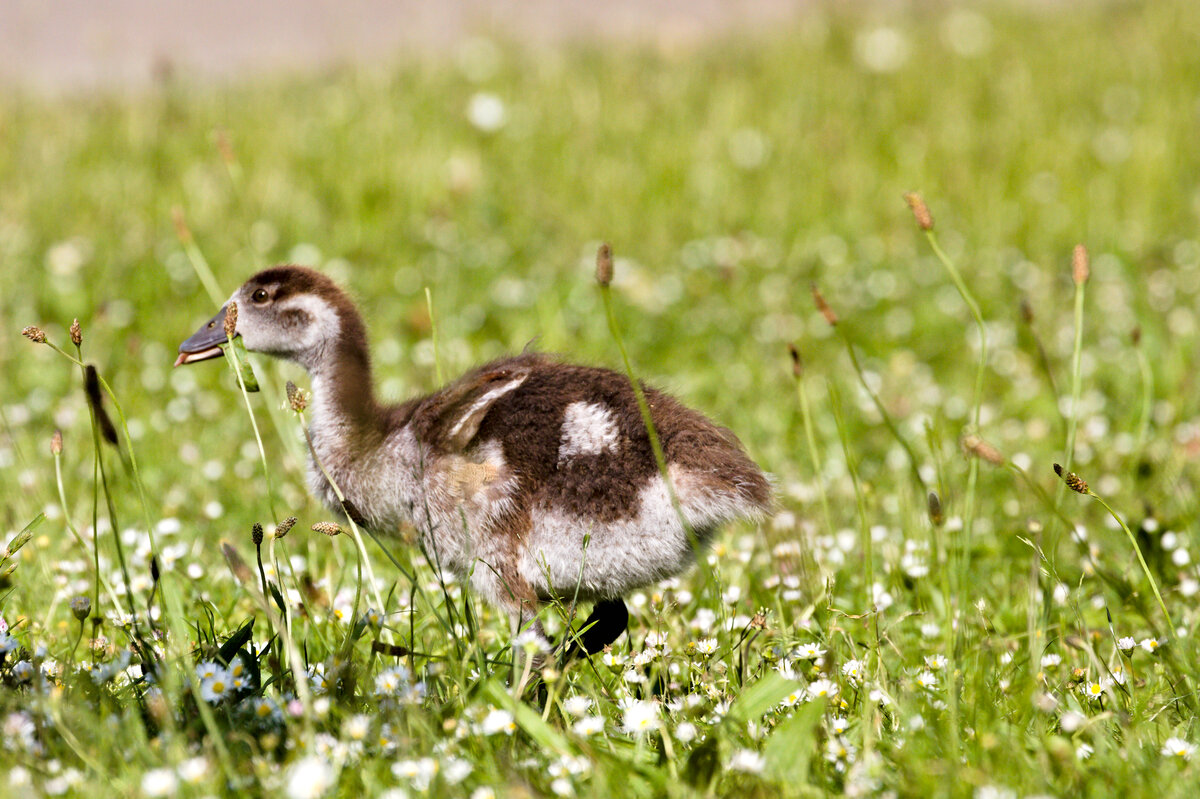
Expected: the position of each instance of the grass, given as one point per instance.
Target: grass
(857, 642)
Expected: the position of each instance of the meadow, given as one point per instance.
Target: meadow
(931, 611)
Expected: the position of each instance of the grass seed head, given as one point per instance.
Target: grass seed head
(297, 398)
(236, 565)
(76, 333)
(604, 264)
(1135, 336)
(327, 528)
(920, 210)
(976, 446)
(56, 443)
(935, 510)
(1079, 265)
(285, 526)
(181, 228)
(225, 146)
(231, 319)
(1026, 312)
(256, 534)
(797, 364)
(34, 334)
(1073, 481)
(823, 306)
(19, 540)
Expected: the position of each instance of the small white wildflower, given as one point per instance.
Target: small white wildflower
(1178, 747)
(839, 749)
(706, 646)
(1072, 721)
(391, 682)
(995, 792)
(1151, 645)
(497, 721)
(935, 662)
(1126, 644)
(419, 773)
(640, 717)
(819, 689)
(612, 659)
(357, 727)
(1084, 751)
(309, 778)
(159, 782)
(194, 770)
(216, 687)
(632, 677)
(747, 761)
(486, 112)
(455, 770)
(809, 651)
(206, 669)
(1051, 661)
(882, 49)
(927, 680)
(1094, 689)
(853, 670)
(589, 725)
(792, 699)
(685, 732)
(577, 705)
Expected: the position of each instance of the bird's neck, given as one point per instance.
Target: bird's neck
(346, 418)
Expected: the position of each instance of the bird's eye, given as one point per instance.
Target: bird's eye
(259, 296)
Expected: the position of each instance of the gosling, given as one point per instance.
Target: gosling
(535, 477)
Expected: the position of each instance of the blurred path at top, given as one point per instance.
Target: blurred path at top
(78, 44)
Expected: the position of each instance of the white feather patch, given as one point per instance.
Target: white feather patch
(484, 401)
(588, 429)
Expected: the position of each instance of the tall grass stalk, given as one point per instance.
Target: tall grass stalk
(604, 275)
(1080, 271)
(925, 222)
(889, 423)
(235, 361)
(945, 556)
(1078, 485)
(1147, 379)
(810, 438)
(100, 577)
(433, 336)
(835, 403)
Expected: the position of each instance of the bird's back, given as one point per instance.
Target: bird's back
(576, 438)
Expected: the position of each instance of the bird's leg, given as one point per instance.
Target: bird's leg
(608, 620)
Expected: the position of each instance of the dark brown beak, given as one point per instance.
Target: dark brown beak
(206, 342)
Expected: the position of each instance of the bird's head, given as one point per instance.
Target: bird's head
(291, 312)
